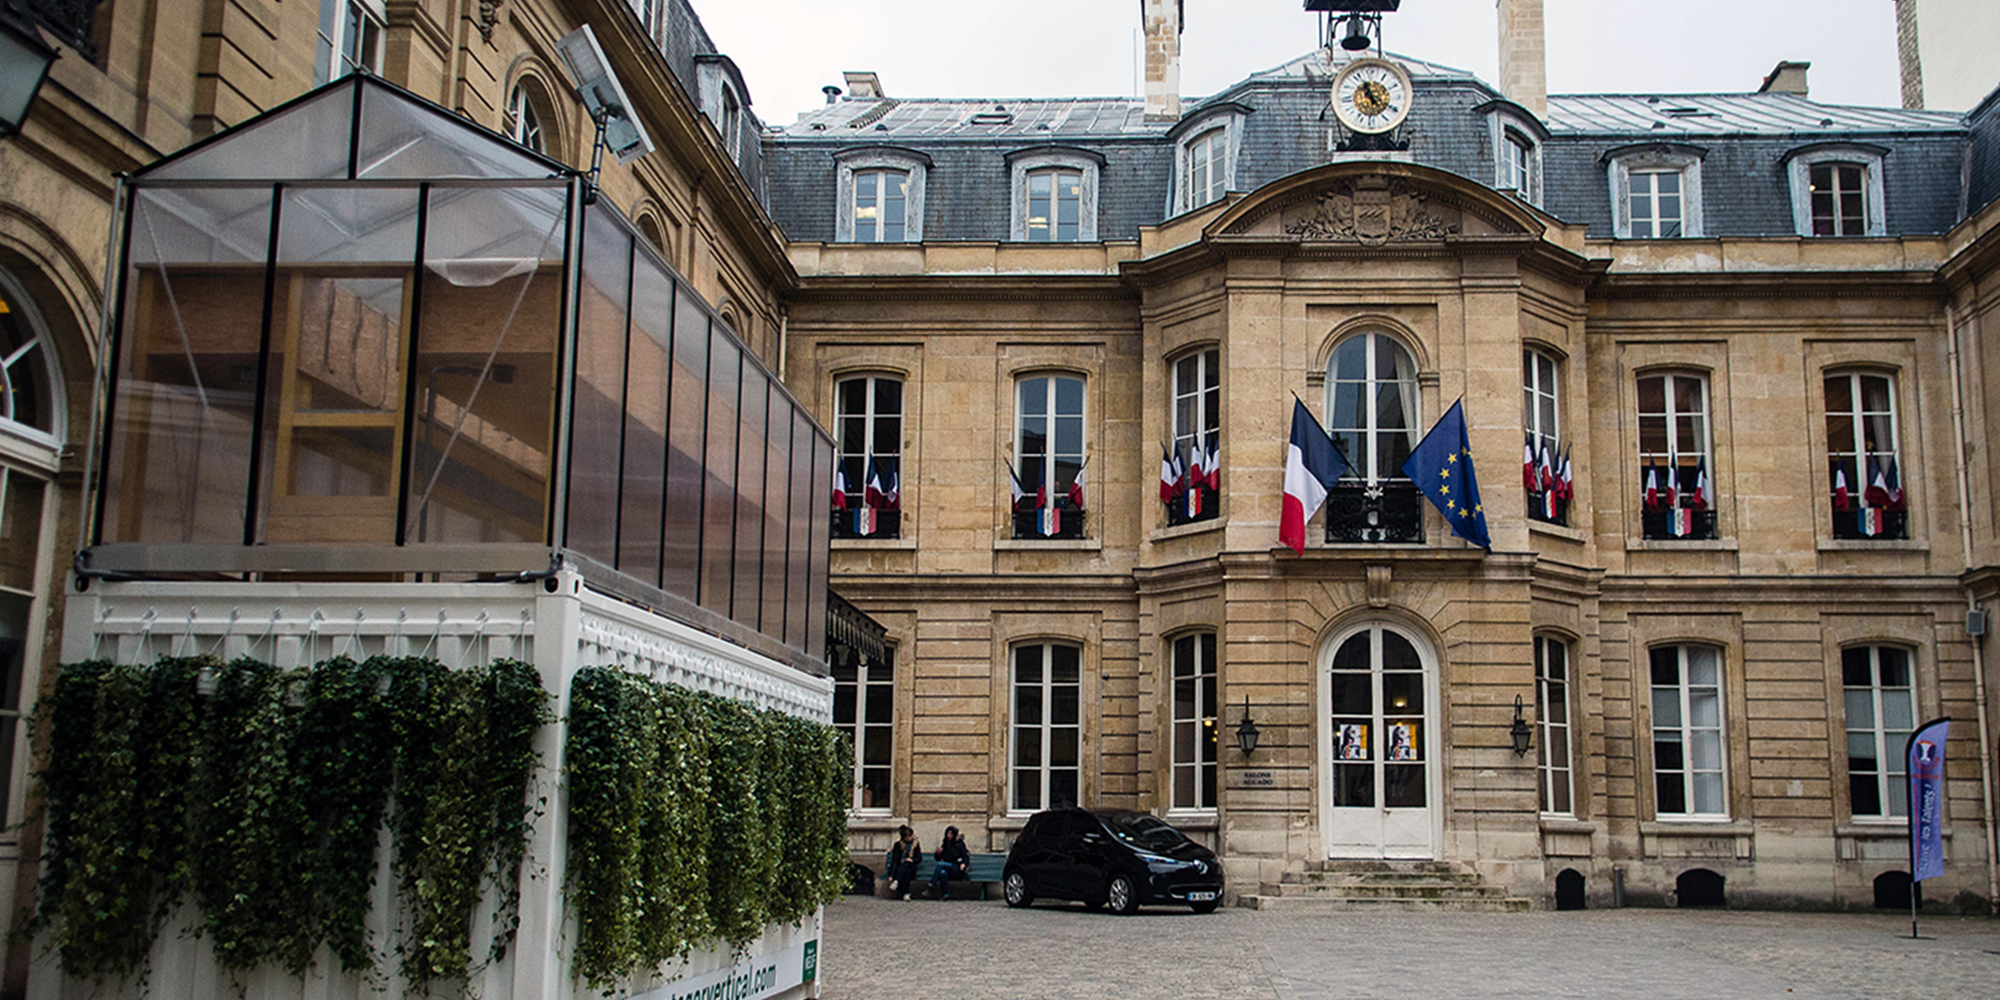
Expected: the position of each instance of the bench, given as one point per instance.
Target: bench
(981, 870)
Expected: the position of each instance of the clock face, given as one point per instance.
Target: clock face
(1371, 95)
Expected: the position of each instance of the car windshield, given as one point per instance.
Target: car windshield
(1144, 832)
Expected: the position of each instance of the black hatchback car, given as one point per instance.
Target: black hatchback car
(1114, 858)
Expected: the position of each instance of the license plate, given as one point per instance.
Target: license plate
(1201, 897)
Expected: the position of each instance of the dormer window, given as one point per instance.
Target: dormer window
(1517, 162)
(1054, 194)
(1837, 189)
(1208, 167)
(1205, 145)
(880, 196)
(1655, 191)
(1517, 137)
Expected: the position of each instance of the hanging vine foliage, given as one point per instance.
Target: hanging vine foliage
(693, 818)
(262, 801)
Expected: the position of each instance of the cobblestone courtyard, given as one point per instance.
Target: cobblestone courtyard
(885, 950)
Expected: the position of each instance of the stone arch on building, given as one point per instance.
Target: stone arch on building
(1378, 689)
(1372, 202)
(534, 82)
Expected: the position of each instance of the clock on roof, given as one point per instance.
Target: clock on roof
(1371, 95)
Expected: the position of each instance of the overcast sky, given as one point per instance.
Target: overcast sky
(789, 49)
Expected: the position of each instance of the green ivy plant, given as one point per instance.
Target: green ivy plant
(259, 793)
(693, 819)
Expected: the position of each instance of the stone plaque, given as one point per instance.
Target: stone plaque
(1259, 779)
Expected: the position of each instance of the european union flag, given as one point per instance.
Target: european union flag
(1441, 466)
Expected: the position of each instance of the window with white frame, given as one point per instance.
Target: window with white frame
(1194, 739)
(1207, 167)
(1197, 437)
(1689, 753)
(1517, 163)
(1054, 196)
(880, 195)
(1048, 450)
(864, 707)
(1371, 405)
(1046, 734)
(524, 118)
(1864, 471)
(1656, 191)
(31, 409)
(868, 430)
(1542, 456)
(1552, 719)
(1881, 711)
(1677, 486)
(1837, 190)
(1516, 138)
(350, 38)
(732, 120)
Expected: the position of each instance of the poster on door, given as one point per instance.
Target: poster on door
(1402, 741)
(1353, 741)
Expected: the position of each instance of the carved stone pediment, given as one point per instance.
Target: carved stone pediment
(1371, 210)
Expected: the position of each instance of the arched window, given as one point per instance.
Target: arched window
(1048, 450)
(1866, 476)
(1678, 496)
(1880, 702)
(30, 411)
(1552, 721)
(1371, 405)
(25, 386)
(1046, 756)
(1690, 773)
(868, 433)
(525, 115)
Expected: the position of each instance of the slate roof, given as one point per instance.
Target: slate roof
(1033, 119)
(1730, 114)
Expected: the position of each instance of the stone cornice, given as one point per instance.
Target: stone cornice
(1765, 284)
(963, 287)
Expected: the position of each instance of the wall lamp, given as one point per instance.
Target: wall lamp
(24, 62)
(1247, 731)
(1519, 730)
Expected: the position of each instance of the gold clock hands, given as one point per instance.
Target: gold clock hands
(1371, 98)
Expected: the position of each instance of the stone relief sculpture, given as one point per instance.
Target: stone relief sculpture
(1371, 210)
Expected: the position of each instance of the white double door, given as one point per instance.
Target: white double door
(1377, 709)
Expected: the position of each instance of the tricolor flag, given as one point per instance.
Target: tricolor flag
(1312, 466)
(1894, 480)
(1197, 470)
(1564, 480)
(1215, 467)
(1019, 493)
(1868, 520)
(864, 520)
(892, 489)
(1924, 760)
(1076, 486)
(1049, 521)
(1698, 500)
(1547, 468)
(1681, 521)
(839, 486)
(1192, 502)
(871, 495)
(1875, 492)
(1652, 487)
(1670, 484)
(1528, 463)
(1167, 474)
(1842, 499)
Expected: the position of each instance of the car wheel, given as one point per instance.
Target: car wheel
(1121, 897)
(1015, 888)
(1208, 907)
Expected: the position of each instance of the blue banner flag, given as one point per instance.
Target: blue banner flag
(1925, 759)
(1442, 468)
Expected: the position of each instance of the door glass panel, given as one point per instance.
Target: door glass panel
(1403, 786)
(1403, 693)
(1354, 785)
(1352, 694)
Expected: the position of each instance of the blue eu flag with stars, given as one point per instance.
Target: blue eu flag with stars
(1441, 466)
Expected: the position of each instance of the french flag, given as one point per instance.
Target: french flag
(1215, 467)
(1167, 474)
(1698, 500)
(1875, 492)
(1312, 466)
(1894, 480)
(1076, 486)
(840, 486)
(1564, 480)
(892, 490)
(872, 489)
(1652, 487)
(1049, 521)
(1842, 498)
(1528, 464)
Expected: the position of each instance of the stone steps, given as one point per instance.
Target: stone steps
(1385, 885)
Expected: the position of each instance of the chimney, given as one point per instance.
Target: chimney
(1906, 55)
(863, 86)
(1163, 59)
(832, 93)
(1524, 71)
(1787, 78)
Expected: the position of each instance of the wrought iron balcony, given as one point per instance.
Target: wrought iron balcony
(1387, 512)
(1850, 524)
(1659, 525)
(1538, 510)
(1028, 523)
(1207, 509)
(888, 524)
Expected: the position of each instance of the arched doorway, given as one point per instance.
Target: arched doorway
(1378, 733)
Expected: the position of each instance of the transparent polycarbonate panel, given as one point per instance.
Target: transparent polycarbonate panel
(751, 457)
(686, 434)
(334, 410)
(648, 373)
(598, 409)
(822, 532)
(177, 459)
(777, 515)
(798, 542)
(305, 141)
(718, 505)
(401, 138)
(485, 366)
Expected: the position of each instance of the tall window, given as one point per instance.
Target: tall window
(1542, 458)
(1517, 164)
(1552, 718)
(880, 201)
(1688, 749)
(1864, 471)
(732, 120)
(864, 707)
(1055, 205)
(1194, 722)
(1839, 201)
(1678, 491)
(1656, 203)
(1048, 445)
(28, 413)
(1208, 167)
(524, 123)
(1371, 406)
(868, 425)
(1881, 712)
(350, 38)
(1197, 437)
(1047, 749)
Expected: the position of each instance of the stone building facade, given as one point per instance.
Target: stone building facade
(1727, 314)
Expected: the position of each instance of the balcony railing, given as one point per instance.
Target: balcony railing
(848, 524)
(1855, 523)
(1388, 512)
(1538, 510)
(1659, 525)
(1205, 509)
(1028, 524)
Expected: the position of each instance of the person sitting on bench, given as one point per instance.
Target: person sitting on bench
(952, 860)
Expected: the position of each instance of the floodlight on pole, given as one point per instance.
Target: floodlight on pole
(604, 98)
